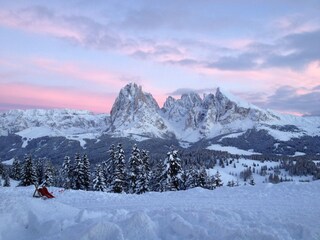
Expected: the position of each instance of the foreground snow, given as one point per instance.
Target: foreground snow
(283, 211)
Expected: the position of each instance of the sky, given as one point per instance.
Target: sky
(79, 54)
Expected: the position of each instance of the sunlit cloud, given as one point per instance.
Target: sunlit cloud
(79, 72)
(165, 47)
(28, 96)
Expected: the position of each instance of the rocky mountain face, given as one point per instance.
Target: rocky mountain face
(192, 112)
(191, 120)
(136, 113)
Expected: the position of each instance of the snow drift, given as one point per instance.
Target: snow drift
(284, 211)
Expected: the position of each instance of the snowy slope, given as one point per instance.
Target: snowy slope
(285, 211)
(35, 123)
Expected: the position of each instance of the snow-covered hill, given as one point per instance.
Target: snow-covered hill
(36, 123)
(287, 211)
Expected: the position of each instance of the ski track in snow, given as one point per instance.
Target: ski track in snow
(263, 212)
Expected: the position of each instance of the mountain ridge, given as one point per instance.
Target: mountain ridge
(189, 119)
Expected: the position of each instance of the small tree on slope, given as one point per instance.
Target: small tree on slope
(67, 173)
(108, 167)
(16, 169)
(78, 173)
(135, 169)
(48, 174)
(174, 170)
(28, 173)
(119, 177)
(86, 173)
(144, 177)
(6, 182)
(99, 182)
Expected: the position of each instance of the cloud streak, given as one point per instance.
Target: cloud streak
(26, 96)
(299, 100)
(175, 44)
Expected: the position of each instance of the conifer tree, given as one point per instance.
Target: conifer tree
(160, 177)
(191, 178)
(6, 178)
(252, 182)
(28, 173)
(16, 169)
(67, 173)
(86, 172)
(99, 182)
(118, 183)
(78, 173)
(217, 180)
(203, 179)
(39, 168)
(173, 170)
(1, 168)
(135, 169)
(144, 178)
(108, 167)
(48, 174)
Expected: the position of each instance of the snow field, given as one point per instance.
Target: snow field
(283, 211)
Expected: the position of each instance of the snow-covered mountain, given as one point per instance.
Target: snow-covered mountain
(195, 118)
(214, 118)
(191, 118)
(64, 120)
(136, 113)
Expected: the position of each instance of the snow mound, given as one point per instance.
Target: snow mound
(262, 212)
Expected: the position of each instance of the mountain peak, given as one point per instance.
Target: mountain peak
(130, 99)
(131, 89)
(136, 111)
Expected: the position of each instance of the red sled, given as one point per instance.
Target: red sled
(42, 192)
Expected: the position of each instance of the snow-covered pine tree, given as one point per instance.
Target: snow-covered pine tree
(184, 177)
(191, 178)
(6, 178)
(16, 169)
(67, 173)
(159, 177)
(108, 167)
(174, 170)
(144, 178)
(39, 168)
(203, 179)
(135, 169)
(86, 173)
(99, 182)
(78, 173)
(1, 168)
(119, 178)
(28, 173)
(217, 180)
(252, 182)
(48, 175)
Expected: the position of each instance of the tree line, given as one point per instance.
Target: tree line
(115, 173)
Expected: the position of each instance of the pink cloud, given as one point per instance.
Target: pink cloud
(28, 21)
(79, 72)
(294, 24)
(30, 95)
(270, 78)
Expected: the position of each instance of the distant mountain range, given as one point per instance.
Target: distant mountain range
(214, 121)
